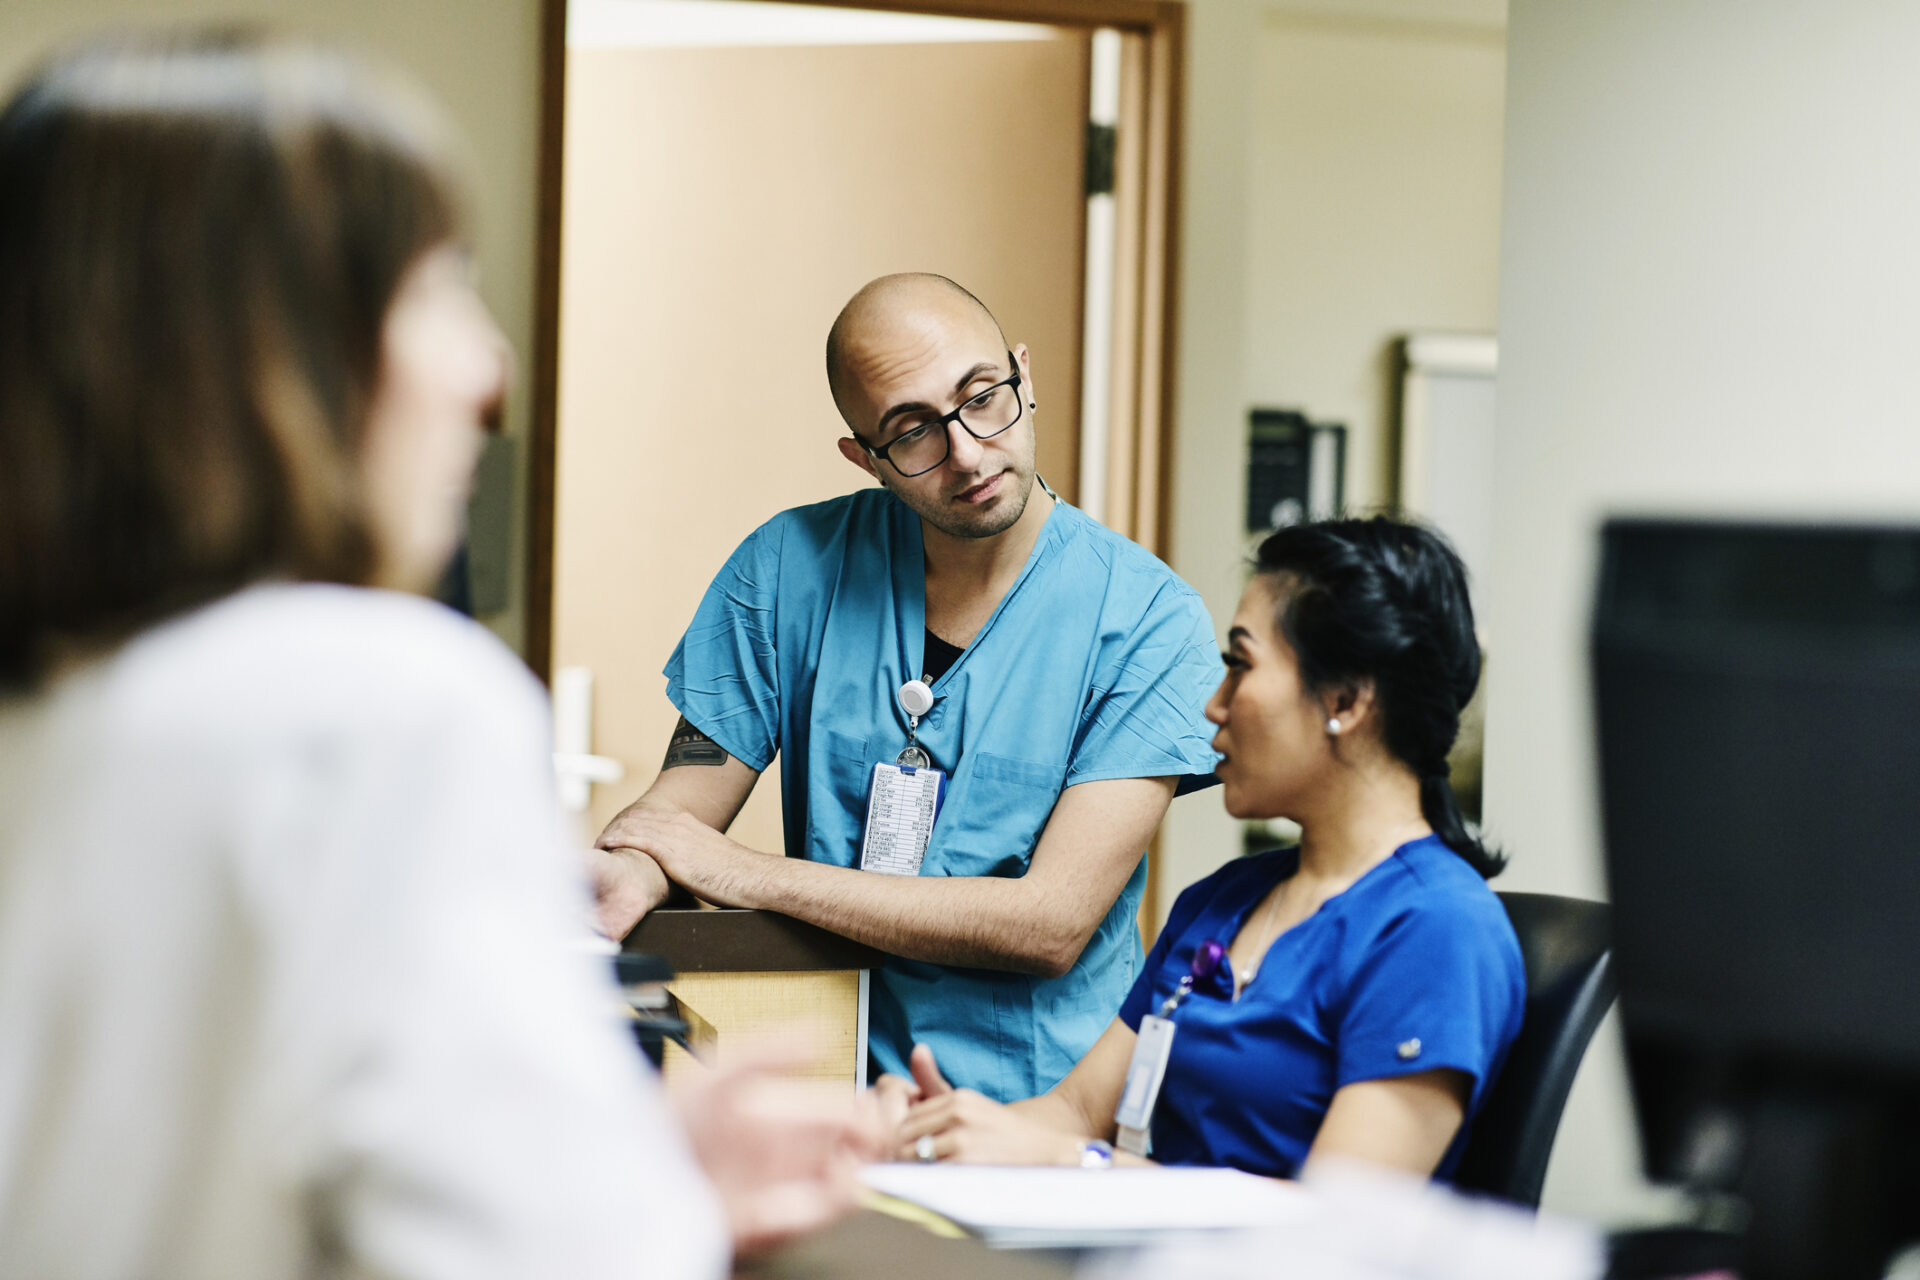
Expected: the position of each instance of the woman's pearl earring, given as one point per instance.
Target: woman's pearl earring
(1333, 727)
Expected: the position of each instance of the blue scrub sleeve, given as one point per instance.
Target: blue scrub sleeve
(1433, 991)
(1149, 720)
(724, 675)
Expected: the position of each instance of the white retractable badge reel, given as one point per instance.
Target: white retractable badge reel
(903, 798)
(916, 700)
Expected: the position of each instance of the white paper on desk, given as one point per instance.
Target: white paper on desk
(1013, 1207)
(1369, 1224)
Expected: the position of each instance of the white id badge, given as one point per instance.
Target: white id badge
(1145, 1074)
(902, 803)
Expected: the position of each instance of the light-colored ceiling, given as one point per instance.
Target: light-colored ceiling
(726, 23)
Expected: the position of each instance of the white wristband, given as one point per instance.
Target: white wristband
(1096, 1153)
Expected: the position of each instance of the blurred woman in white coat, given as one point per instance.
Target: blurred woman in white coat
(285, 982)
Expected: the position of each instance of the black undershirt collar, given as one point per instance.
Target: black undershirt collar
(939, 656)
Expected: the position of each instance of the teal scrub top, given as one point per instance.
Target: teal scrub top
(1097, 664)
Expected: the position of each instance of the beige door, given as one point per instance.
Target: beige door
(720, 204)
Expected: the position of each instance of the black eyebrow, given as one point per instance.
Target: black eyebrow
(920, 406)
(978, 371)
(1238, 635)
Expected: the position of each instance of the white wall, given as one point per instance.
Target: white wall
(481, 60)
(1374, 208)
(1209, 481)
(1710, 301)
(1342, 186)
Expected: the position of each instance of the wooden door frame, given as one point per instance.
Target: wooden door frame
(1161, 22)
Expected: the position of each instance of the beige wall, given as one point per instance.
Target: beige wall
(1708, 285)
(480, 59)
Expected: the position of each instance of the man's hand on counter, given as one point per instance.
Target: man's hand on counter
(1034, 923)
(626, 885)
(683, 813)
(689, 852)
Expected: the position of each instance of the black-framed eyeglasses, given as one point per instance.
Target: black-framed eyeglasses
(985, 415)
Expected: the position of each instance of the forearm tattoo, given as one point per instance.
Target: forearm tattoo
(690, 746)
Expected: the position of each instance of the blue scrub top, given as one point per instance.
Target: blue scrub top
(1097, 664)
(1413, 968)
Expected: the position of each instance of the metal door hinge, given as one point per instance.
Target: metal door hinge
(1102, 139)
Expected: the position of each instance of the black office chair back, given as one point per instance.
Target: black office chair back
(1566, 946)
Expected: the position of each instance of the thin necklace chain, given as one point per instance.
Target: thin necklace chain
(1260, 955)
(1240, 983)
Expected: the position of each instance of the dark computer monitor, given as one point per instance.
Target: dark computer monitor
(1757, 697)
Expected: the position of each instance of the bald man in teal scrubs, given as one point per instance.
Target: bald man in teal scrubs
(1069, 669)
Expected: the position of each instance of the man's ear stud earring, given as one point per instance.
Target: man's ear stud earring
(1333, 727)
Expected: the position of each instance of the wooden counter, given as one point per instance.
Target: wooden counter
(757, 975)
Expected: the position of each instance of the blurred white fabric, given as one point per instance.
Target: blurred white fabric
(288, 982)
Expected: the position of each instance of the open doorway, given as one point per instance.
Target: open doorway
(719, 177)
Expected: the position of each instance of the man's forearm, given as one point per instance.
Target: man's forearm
(976, 922)
(1038, 922)
(971, 921)
(697, 779)
(656, 804)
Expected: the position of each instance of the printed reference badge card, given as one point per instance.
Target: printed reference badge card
(901, 805)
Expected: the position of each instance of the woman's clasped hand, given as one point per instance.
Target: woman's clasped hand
(932, 1120)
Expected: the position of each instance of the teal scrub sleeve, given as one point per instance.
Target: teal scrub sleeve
(724, 675)
(1145, 716)
(1437, 989)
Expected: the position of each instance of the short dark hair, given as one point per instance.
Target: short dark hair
(1386, 602)
(201, 233)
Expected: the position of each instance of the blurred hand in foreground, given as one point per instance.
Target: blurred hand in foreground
(784, 1156)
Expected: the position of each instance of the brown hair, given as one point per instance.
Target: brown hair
(200, 236)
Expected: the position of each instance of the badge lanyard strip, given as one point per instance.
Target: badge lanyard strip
(1206, 962)
(916, 699)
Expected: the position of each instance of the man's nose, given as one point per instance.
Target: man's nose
(963, 451)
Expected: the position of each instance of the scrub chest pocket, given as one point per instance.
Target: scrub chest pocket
(993, 817)
(848, 772)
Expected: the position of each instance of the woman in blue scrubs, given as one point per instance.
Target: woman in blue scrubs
(1353, 996)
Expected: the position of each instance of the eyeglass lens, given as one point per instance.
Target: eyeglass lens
(986, 415)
